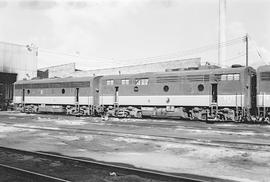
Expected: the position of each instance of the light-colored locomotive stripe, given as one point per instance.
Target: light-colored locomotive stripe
(173, 100)
(263, 100)
(54, 100)
(231, 100)
(17, 99)
(169, 100)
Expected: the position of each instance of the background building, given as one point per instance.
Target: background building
(17, 62)
(56, 71)
(142, 68)
(19, 59)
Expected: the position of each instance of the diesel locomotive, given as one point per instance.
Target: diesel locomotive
(229, 94)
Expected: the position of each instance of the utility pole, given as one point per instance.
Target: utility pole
(246, 40)
(222, 33)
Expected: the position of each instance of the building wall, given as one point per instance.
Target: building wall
(18, 59)
(151, 67)
(56, 71)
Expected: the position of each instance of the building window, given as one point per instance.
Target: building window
(125, 82)
(166, 88)
(141, 81)
(63, 91)
(28, 91)
(200, 87)
(109, 82)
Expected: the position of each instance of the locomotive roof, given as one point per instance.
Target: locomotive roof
(54, 80)
(149, 74)
(263, 68)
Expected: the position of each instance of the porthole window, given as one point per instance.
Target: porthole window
(136, 89)
(166, 88)
(28, 91)
(63, 91)
(200, 87)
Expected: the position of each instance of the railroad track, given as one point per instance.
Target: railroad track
(165, 138)
(30, 175)
(118, 169)
(166, 123)
(169, 123)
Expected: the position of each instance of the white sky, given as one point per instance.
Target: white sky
(110, 33)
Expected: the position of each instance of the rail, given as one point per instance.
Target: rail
(122, 170)
(199, 141)
(33, 175)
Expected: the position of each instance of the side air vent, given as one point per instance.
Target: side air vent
(166, 79)
(54, 85)
(195, 78)
(265, 76)
(18, 86)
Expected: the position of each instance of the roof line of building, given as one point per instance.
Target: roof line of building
(48, 67)
(142, 64)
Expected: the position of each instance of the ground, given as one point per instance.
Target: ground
(167, 145)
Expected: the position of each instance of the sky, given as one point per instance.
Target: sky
(111, 33)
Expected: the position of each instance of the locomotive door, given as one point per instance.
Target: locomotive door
(96, 91)
(116, 95)
(253, 94)
(77, 95)
(77, 105)
(214, 93)
(23, 96)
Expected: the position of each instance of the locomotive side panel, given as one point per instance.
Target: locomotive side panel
(60, 95)
(176, 90)
(230, 86)
(54, 96)
(263, 86)
(18, 94)
(236, 87)
(155, 90)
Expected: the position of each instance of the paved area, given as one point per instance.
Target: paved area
(137, 142)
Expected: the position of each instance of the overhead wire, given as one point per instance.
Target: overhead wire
(66, 54)
(193, 51)
(160, 57)
(257, 50)
(235, 57)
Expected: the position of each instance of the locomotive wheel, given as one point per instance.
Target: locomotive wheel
(139, 115)
(204, 117)
(266, 120)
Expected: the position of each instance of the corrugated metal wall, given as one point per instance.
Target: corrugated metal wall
(18, 59)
